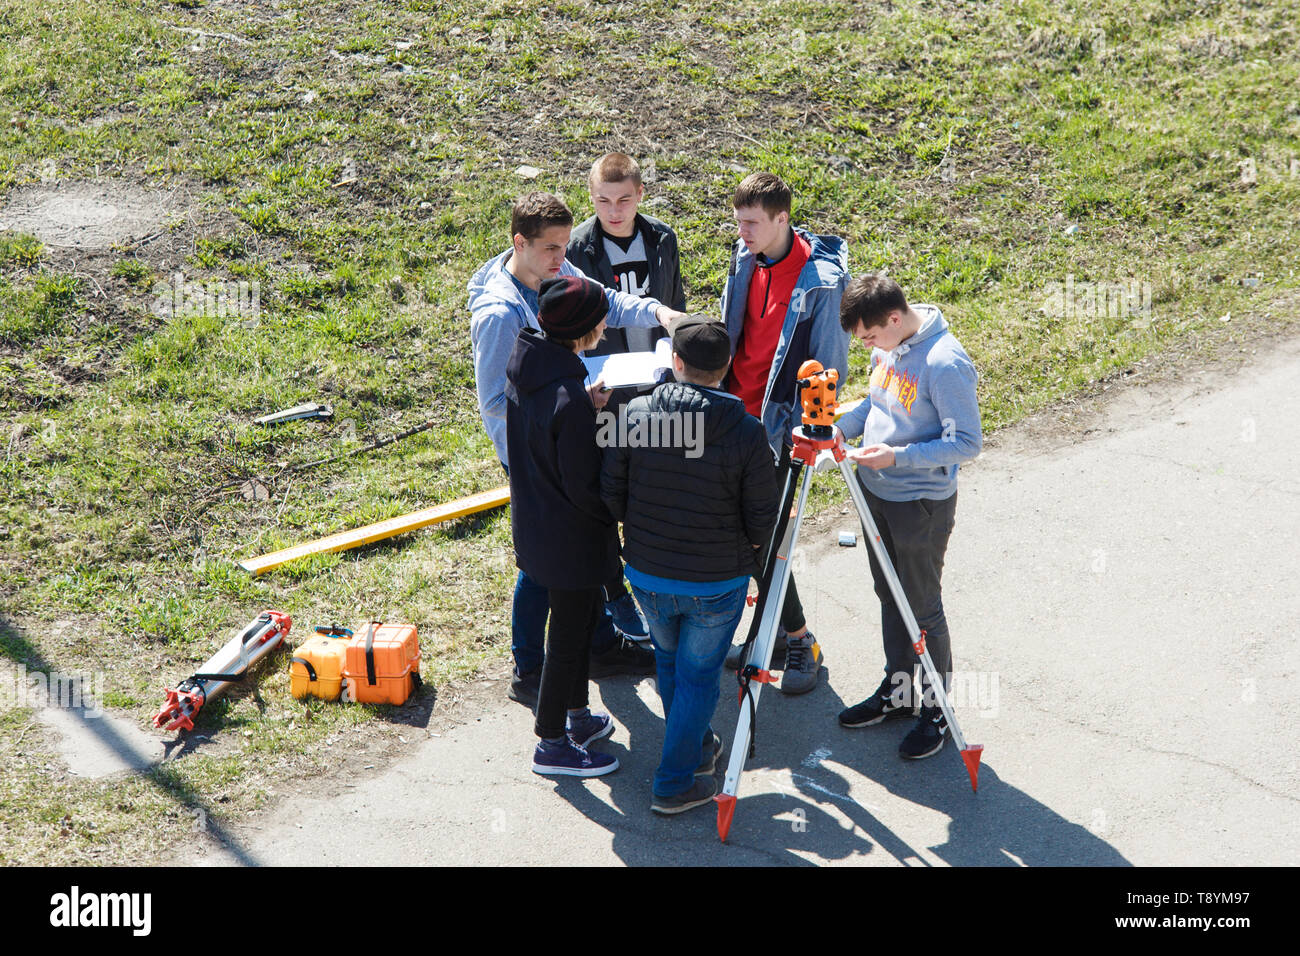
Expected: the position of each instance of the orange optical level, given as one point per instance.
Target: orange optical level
(817, 393)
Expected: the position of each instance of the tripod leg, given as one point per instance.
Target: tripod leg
(767, 615)
(970, 754)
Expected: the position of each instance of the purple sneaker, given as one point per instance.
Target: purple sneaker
(566, 760)
(587, 730)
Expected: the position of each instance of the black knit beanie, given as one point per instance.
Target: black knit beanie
(570, 306)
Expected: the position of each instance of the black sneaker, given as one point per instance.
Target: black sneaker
(712, 750)
(525, 687)
(927, 737)
(880, 706)
(626, 657)
(702, 791)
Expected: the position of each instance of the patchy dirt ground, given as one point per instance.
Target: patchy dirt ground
(95, 215)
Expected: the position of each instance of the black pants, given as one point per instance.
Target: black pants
(792, 617)
(574, 615)
(915, 535)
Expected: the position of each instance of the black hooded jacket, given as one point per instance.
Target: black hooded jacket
(694, 518)
(564, 535)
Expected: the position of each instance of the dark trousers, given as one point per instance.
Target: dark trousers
(915, 535)
(529, 608)
(574, 615)
(792, 618)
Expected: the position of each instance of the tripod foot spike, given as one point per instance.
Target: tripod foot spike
(971, 757)
(726, 809)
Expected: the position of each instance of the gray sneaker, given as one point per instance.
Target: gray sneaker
(803, 658)
(709, 762)
(702, 791)
(778, 654)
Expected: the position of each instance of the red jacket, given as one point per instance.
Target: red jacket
(766, 302)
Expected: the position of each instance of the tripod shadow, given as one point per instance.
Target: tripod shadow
(1000, 825)
(813, 816)
(641, 837)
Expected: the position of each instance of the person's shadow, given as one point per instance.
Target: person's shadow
(812, 817)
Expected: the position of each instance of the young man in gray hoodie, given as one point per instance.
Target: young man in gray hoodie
(921, 423)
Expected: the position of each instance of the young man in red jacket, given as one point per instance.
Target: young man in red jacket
(781, 305)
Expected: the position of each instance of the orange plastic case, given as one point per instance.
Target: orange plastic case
(382, 665)
(317, 666)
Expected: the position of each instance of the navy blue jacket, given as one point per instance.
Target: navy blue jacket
(564, 535)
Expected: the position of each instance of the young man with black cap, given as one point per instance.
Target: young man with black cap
(696, 515)
(564, 536)
(503, 299)
(781, 304)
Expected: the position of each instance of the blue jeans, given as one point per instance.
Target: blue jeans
(528, 614)
(691, 636)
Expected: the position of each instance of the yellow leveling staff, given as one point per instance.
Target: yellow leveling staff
(345, 540)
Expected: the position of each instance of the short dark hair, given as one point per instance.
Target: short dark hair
(763, 189)
(868, 300)
(699, 376)
(614, 168)
(537, 211)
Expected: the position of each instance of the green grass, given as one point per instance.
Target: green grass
(979, 153)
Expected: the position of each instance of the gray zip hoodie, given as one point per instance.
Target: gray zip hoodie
(923, 405)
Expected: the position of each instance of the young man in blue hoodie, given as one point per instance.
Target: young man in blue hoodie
(921, 422)
(781, 305)
(503, 300)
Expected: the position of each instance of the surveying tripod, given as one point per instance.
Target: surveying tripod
(814, 445)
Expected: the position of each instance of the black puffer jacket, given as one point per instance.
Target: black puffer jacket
(694, 518)
(564, 535)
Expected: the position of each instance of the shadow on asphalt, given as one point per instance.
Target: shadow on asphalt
(15, 646)
(812, 818)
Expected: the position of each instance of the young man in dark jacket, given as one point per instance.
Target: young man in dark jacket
(694, 484)
(636, 254)
(564, 536)
(626, 250)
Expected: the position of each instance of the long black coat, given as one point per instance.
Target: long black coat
(564, 535)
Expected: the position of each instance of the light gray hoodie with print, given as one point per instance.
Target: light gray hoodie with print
(923, 405)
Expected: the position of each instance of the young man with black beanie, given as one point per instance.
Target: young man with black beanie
(564, 536)
(696, 516)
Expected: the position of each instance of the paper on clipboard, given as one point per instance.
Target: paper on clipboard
(630, 368)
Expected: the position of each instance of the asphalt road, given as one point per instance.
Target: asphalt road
(1121, 589)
